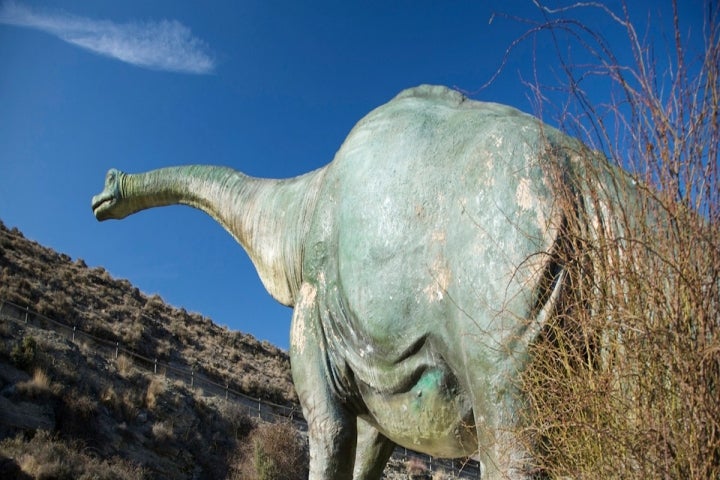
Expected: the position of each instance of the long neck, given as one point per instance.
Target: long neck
(269, 218)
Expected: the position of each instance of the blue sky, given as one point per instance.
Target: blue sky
(270, 88)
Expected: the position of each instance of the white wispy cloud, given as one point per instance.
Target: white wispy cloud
(158, 45)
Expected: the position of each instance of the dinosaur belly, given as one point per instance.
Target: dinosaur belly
(432, 416)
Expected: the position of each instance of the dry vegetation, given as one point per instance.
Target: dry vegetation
(274, 451)
(625, 383)
(67, 412)
(55, 286)
(47, 457)
(70, 410)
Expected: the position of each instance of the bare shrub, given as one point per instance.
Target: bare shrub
(125, 366)
(131, 405)
(24, 353)
(237, 418)
(274, 451)
(39, 386)
(56, 304)
(624, 381)
(109, 397)
(126, 404)
(47, 457)
(163, 431)
(441, 475)
(155, 389)
(416, 468)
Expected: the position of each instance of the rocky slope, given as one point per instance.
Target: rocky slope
(69, 409)
(54, 285)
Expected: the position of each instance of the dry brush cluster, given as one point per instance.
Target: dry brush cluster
(625, 382)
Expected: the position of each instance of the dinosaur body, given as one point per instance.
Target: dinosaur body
(419, 263)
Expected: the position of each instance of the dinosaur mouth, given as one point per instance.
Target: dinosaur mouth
(101, 203)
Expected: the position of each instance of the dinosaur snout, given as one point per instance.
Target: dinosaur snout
(104, 202)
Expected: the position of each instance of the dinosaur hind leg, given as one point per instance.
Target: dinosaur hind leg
(373, 452)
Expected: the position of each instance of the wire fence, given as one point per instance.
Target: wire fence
(264, 410)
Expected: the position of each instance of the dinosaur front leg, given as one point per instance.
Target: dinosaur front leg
(331, 428)
(332, 436)
(373, 451)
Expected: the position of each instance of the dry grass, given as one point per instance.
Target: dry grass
(125, 403)
(39, 386)
(163, 431)
(24, 354)
(156, 388)
(415, 467)
(125, 366)
(624, 382)
(274, 451)
(239, 422)
(45, 457)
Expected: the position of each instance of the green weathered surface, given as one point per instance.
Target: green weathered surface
(419, 266)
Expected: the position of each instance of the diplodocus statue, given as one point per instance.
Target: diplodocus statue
(419, 264)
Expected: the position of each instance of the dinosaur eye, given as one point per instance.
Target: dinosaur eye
(110, 177)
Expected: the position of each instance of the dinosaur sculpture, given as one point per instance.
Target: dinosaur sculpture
(419, 263)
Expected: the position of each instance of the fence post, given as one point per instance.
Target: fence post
(227, 387)
(73, 336)
(27, 312)
(155, 367)
(192, 377)
(117, 349)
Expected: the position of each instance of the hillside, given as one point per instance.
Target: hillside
(54, 285)
(73, 410)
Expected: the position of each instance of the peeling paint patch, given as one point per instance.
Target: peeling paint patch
(441, 276)
(489, 181)
(498, 140)
(303, 311)
(523, 195)
(438, 236)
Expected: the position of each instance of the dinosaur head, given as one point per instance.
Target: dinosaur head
(109, 203)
